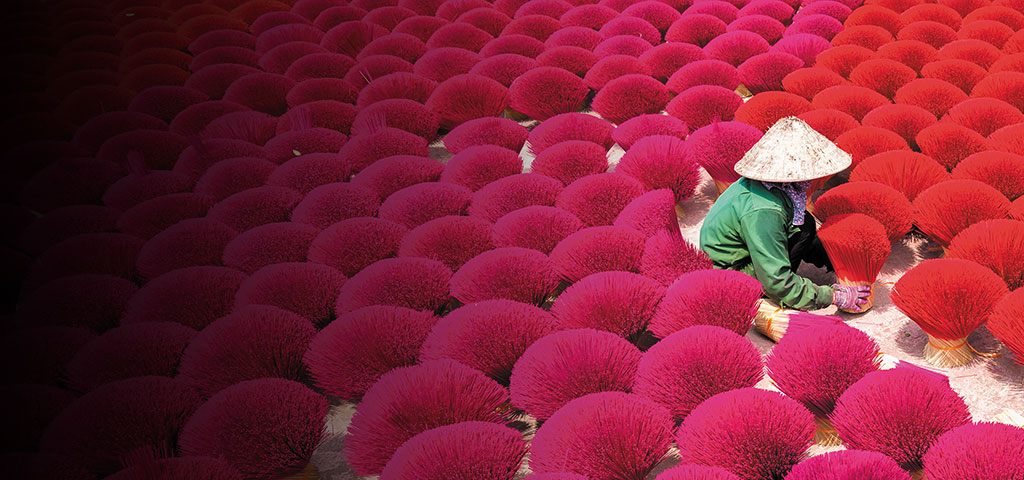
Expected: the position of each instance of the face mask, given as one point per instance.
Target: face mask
(797, 193)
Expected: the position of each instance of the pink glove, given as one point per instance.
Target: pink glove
(850, 298)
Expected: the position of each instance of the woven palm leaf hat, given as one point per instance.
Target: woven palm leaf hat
(792, 151)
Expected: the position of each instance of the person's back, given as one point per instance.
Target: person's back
(759, 225)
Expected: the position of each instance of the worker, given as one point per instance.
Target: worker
(760, 226)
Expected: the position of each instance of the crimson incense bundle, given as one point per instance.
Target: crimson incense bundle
(948, 298)
(858, 247)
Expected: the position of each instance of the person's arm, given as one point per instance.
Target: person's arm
(764, 231)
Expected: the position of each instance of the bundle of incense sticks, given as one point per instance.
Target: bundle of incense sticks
(774, 321)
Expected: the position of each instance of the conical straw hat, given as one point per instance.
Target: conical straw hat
(792, 151)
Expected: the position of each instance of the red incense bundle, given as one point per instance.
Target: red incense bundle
(858, 247)
(948, 298)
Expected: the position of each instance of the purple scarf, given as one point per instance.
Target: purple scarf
(797, 192)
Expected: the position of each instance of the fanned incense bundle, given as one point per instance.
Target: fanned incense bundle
(858, 247)
(880, 202)
(948, 208)
(996, 244)
(814, 366)
(1007, 322)
(774, 321)
(948, 298)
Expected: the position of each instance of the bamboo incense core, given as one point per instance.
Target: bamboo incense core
(825, 433)
(766, 320)
(947, 353)
(721, 186)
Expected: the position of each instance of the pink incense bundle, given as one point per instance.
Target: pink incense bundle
(618, 302)
(511, 193)
(628, 132)
(569, 364)
(462, 450)
(307, 289)
(193, 296)
(650, 213)
(431, 394)
(1006, 322)
(537, 227)
(717, 148)
(573, 59)
(504, 68)
(908, 172)
(665, 59)
(977, 450)
(858, 247)
(876, 414)
(814, 366)
(723, 298)
(467, 97)
(948, 208)
(416, 283)
(486, 131)
(489, 336)
(544, 92)
(275, 437)
(571, 160)
(597, 199)
(353, 244)
(278, 242)
(252, 342)
(511, 273)
(452, 240)
(752, 433)
(694, 364)
(1017, 209)
(610, 67)
(696, 472)
(661, 161)
(128, 351)
(702, 105)
(849, 465)
(704, 72)
(775, 322)
(948, 298)
(352, 352)
(122, 419)
(581, 437)
(996, 244)
(598, 249)
(667, 256)
(887, 206)
(570, 126)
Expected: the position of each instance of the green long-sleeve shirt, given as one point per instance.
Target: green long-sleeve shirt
(748, 229)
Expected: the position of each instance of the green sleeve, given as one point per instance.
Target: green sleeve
(764, 231)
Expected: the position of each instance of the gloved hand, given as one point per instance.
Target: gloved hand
(850, 298)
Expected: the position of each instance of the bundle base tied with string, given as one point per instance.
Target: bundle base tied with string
(858, 246)
(774, 321)
(948, 298)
